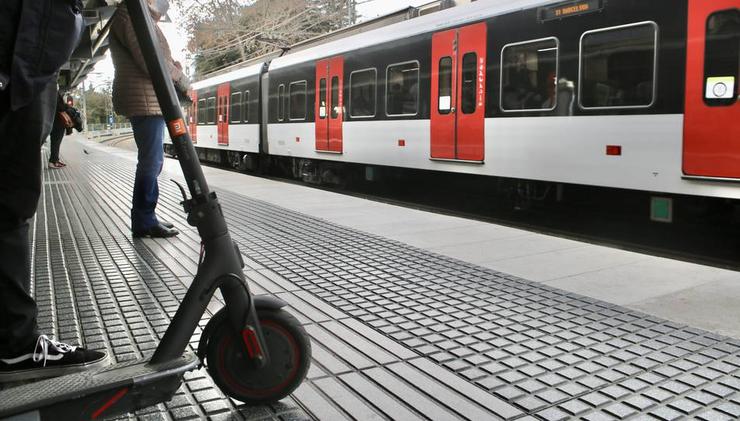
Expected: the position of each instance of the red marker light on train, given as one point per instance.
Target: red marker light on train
(401, 142)
(614, 150)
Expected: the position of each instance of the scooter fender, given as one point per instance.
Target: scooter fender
(268, 302)
(261, 302)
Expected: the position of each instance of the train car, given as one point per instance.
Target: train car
(224, 117)
(625, 94)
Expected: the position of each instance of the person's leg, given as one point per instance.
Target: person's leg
(17, 309)
(21, 132)
(24, 353)
(57, 133)
(148, 134)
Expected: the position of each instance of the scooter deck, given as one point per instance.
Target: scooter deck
(107, 391)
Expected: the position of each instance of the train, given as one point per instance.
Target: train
(626, 95)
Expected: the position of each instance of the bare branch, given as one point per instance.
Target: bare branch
(224, 32)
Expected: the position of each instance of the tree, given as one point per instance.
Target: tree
(99, 105)
(226, 32)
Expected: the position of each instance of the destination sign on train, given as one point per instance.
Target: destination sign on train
(571, 8)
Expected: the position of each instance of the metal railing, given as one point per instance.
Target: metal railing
(102, 130)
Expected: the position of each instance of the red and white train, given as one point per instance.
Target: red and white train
(627, 94)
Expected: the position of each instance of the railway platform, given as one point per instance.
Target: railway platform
(412, 315)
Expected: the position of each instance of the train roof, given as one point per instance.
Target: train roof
(243, 72)
(452, 17)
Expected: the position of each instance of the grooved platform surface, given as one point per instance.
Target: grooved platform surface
(397, 332)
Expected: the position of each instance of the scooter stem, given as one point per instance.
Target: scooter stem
(222, 265)
(168, 102)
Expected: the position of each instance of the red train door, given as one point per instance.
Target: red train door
(223, 94)
(711, 143)
(193, 116)
(329, 108)
(444, 95)
(322, 106)
(459, 93)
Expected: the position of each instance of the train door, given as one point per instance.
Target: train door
(193, 116)
(711, 143)
(223, 95)
(458, 93)
(329, 104)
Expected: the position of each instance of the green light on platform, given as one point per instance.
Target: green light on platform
(661, 209)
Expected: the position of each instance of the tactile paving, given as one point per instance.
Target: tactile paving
(546, 351)
(398, 332)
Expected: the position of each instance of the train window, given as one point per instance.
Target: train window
(218, 109)
(211, 111)
(322, 99)
(298, 100)
(284, 104)
(245, 107)
(280, 102)
(529, 72)
(362, 86)
(618, 67)
(236, 107)
(335, 97)
(469, 82)
(402, 89)
(445, 85)
(201, 111)
(722, 58)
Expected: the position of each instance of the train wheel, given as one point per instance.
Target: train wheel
(290, 356)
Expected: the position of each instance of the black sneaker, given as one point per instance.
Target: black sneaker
(157, 231)
(49, 358)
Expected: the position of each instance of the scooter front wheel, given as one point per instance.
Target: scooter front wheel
(238, 377)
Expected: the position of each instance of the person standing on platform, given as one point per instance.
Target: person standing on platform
(36, 39)
(134, 97)
(58, 129)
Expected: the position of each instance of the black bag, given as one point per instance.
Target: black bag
(76, 117)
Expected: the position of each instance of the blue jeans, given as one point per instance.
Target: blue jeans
(148, 134)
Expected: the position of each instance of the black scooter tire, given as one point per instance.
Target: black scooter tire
(290, 357)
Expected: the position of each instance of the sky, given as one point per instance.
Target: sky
(375, 8)
(177, 38)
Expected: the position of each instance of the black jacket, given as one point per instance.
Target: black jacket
(36, 39)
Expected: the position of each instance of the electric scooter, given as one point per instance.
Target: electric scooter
(255, 351)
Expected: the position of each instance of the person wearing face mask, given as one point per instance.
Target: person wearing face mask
(134, 97)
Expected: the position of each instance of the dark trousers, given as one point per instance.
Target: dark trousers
(21, 133)
(149, 136)
(57, 133)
